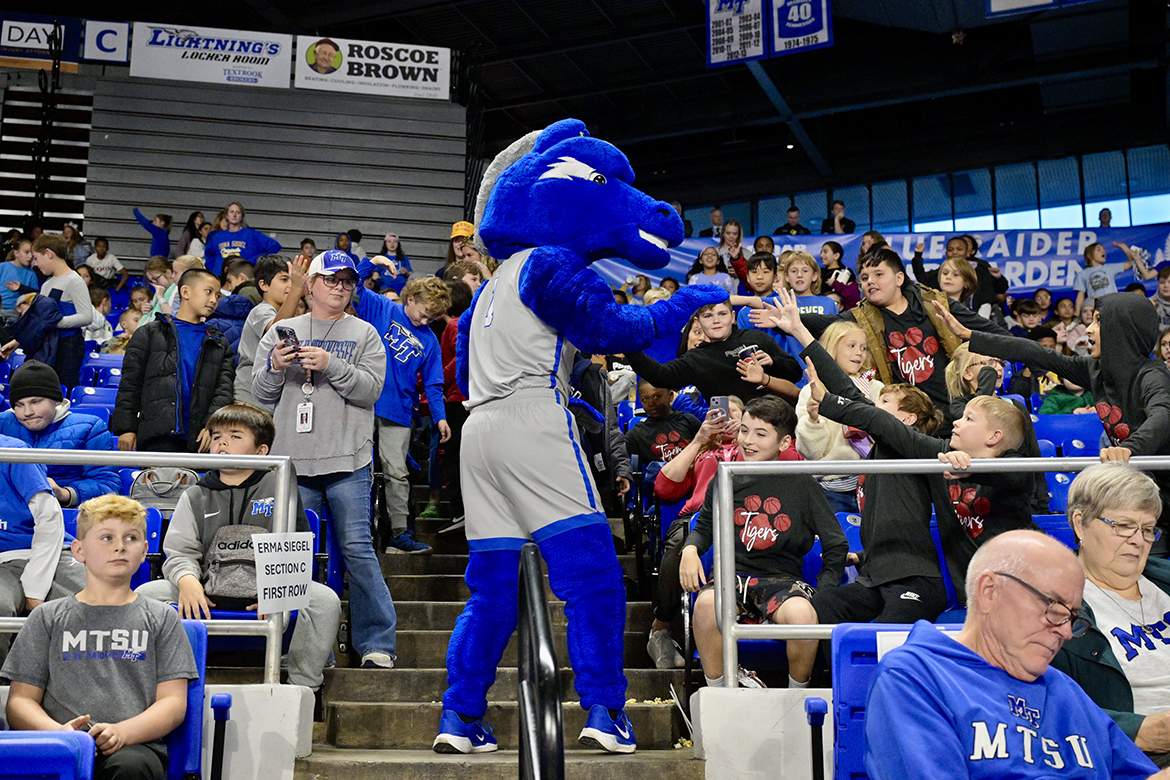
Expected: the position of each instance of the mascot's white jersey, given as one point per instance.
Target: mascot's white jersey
(523, 353)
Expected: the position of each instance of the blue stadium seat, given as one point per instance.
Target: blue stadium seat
(851, 525)
(102, 360)
(113, 317)
(1056, 526)
(948, 583)
(1058, 428)
(84, 394)
(47, 755)
(16, 359)
(1017, 398)
(120, 299)
(854, 663)
(5, 373)
(1035, 402)
(109, 377)
(128, 475)
(1076, 447)
(92, 346)
(102, 412)
(185, 743)
(625, 414)
(1058, 484)
(1047, 448)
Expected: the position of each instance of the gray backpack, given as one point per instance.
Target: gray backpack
(160, 487)
(230, 580)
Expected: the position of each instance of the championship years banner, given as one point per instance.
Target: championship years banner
(1028, 258)
(211, 55)
(373, 68)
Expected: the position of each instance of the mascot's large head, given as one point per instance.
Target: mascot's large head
(559, 187)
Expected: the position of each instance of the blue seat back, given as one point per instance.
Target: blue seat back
(5, 373)
(1058, 484)
(101, 412)
(185, 743)
(1047, 448)
(1056, 526)
(16, 360)
(47, 755)
(948, 583)
(854, 663)
(128, 475)
(101, 359)
(1035, 401)
(109, 378)
(625, 414)
(1074, 446)
(1059, 427)
(84, 394)
(1017, 398)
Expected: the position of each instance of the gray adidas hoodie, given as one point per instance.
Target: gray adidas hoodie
(210, 505)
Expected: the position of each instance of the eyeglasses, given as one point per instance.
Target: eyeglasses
(1127, 530)
(1057, 613)
(333, 281)
(993, 362)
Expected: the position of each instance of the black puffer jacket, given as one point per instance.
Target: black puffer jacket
(149, 397)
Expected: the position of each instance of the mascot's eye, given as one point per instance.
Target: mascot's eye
(597, 178)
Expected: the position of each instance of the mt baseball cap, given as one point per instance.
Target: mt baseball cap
(330, 262)
(462, 229)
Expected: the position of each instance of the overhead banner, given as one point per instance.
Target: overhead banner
(373, 68)
(1028, 258)
(800, 25)
(735, 31)
(211, 55)
(24, 41)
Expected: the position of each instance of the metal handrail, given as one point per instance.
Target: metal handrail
(283, 520)
(542, 744)
(724, 529)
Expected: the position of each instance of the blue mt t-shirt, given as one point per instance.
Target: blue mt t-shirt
(11, 272)
(19, 482)
(410, 351)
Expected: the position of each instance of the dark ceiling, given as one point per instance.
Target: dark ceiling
(895, 96)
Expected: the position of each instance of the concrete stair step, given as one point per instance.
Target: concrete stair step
(434, 587)
(428, 649)
(442, 614)
(328, 763)
(412, 726)
(428, 685)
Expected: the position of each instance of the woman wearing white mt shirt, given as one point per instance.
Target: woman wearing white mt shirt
(1123, 660)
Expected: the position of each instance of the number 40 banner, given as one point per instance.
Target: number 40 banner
(800, 25)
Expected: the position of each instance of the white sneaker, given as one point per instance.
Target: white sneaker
(664, 650)
(377, 661)
(748, 679)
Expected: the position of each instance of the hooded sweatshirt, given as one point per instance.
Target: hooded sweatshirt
(1132, 390)
(209, 506)
(959, 716)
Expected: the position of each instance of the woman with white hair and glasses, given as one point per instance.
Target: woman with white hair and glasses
(1123, 661)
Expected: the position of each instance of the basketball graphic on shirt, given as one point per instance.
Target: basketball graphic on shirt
(760, 529)
(971, 509)
(912, 354)
(1111, 418)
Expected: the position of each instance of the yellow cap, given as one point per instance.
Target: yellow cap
(462, 229)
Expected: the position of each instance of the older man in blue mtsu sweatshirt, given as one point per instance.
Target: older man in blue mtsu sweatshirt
(986, 704)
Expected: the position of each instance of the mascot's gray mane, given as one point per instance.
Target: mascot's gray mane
(514, 152)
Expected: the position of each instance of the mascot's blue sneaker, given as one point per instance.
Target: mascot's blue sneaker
(602, 731)
(455, 736)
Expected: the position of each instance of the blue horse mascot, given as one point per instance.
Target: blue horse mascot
(552, 203)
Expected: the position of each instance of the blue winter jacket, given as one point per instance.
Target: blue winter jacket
(71, 431)
(229, 318)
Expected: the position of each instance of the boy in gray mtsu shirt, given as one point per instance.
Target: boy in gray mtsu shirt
(106, 659)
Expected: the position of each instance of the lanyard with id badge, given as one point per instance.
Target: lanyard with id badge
(305, 408)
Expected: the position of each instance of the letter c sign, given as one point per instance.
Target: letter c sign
(107, 41)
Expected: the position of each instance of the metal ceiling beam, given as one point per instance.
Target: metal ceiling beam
(786, 116)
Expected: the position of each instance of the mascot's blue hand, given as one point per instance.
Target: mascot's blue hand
(589, 417)
(672, 314)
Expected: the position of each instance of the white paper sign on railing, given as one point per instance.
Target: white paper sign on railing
(284, 569)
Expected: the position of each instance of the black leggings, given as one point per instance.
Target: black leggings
(70, 353)
(668, 597)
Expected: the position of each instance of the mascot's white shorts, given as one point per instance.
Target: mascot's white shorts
(522, 470)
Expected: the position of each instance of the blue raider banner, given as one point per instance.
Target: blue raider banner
(1028, 258)
(211, 55)
(800, 25)
(735, 31)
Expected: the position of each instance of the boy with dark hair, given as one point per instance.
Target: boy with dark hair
(107, 660)
(1161, 299)
(106, 264)
(176, 373)
(411, 350)
(778, 517)
(308, 248)
(239, 278)
(160, 232)
(229, 498)
(40, 417)
(282, 283)
(1028, 315)
(664, 433)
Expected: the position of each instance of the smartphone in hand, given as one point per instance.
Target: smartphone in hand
(722, 405)
(288, 336)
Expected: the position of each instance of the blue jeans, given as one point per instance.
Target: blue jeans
(371, 610)
(842, 502)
